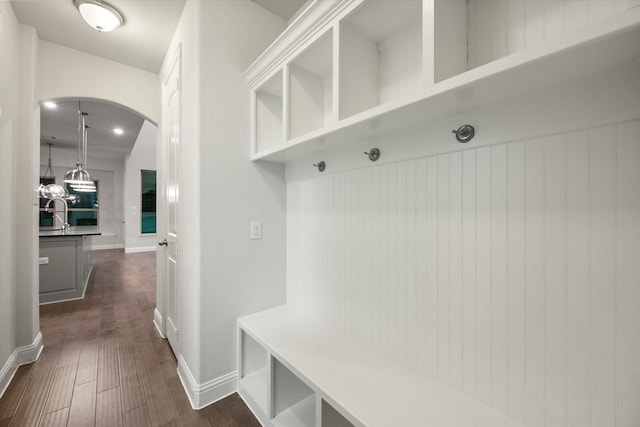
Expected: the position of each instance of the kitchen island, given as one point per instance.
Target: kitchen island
(65, 262)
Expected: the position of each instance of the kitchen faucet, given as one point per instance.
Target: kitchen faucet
(65, 224)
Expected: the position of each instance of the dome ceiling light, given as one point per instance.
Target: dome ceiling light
(100, 15)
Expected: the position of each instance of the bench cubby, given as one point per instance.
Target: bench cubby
(321, 378)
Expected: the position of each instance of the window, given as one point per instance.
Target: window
(85, 212)
(46, 218)
(148, 202)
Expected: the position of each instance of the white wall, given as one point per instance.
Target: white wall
(69, 73)
(143, 156)
(505, 267)
(19, 132)
(186, 38)
(28, 312)
(222, 274)
(109, 173)
(8, 155)
(239, 275)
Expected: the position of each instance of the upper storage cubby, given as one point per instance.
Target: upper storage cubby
(471, 33)
(311, 88)
(348, 70)
(500, 28)
(269, 127)
(380, 54)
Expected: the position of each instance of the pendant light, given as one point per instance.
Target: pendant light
(48, 173)
(85, 187)
(79, 176)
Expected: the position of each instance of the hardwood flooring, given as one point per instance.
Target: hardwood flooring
(104, 363)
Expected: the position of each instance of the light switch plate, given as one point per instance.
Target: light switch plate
(256, 230)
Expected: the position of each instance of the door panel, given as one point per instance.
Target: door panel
(172, 140)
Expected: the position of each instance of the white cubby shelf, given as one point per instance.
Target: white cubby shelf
(320, 377)
(350, 70)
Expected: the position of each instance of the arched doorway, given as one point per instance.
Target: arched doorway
(114, 160)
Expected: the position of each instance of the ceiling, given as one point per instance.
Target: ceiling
(60, 126)
(285, 9)
(141, 42)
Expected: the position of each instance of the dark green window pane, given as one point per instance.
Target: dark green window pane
(83, 218)
(148, 201)
(45, 181)
(46, 219)
(87, 200)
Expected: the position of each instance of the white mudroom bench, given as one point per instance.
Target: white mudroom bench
(295, 372)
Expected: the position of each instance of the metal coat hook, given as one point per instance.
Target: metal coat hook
(321, 166)
(464, 133)
(374, 154)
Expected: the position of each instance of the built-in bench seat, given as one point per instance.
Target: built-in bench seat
(295, 372)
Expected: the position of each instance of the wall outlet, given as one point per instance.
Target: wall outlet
(256, 230)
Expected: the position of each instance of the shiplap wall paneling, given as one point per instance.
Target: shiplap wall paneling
(469, 258)
(498, 284)
(497, 28)
(508, 271)
(602, 209)
(483, 274)
(516, 280)
(628, 272)
(534, 267)
(578, 290)
(431, 237)
(555, 241)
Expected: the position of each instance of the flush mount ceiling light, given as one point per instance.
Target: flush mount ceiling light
(100, 15)
(118, 131)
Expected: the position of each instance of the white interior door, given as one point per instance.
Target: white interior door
(172, 136)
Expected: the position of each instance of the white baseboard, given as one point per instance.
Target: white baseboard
(158, 322)
(140, 249)
(201, 395)
(105, 247)
(19, 356)
(7, 372)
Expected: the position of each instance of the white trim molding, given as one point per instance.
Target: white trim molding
(158, 322)
(316, 19)
(201, 395)
(110, 246)
(140, 249)
(20, 356)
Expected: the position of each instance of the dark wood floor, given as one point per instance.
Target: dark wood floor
(104, 364)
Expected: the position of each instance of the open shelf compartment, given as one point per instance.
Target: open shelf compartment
(332, 418)
(472, 33)
(310, 80)
(254, 372)
(293, 402)
(380, 58)
(269, 125)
